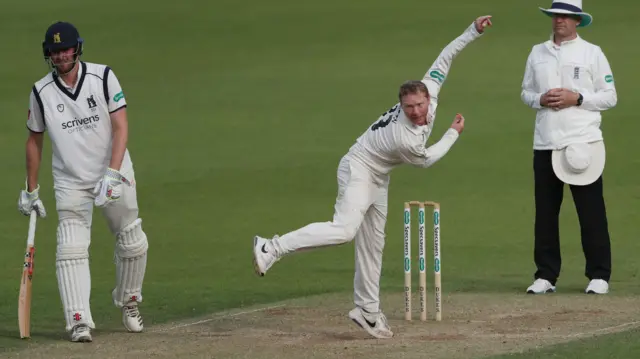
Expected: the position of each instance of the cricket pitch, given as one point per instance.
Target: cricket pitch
(473, 326)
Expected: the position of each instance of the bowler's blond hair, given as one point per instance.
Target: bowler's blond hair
(412, 87)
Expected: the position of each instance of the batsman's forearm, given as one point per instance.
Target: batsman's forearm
(118, 147)
(34, 158)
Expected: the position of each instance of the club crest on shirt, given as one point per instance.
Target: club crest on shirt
(60, 107)
(92, 103)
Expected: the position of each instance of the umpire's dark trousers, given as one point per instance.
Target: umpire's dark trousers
(589, 202)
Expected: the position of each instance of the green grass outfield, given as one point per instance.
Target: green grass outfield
(620, 345)
(272, 94)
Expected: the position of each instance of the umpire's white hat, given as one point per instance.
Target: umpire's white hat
(569, 7)
(579, 164)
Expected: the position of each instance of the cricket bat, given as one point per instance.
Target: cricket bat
(24, 300)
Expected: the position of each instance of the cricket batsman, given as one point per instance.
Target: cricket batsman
(82, 107)
(398, 136)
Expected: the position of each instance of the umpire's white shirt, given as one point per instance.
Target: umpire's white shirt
(576, 65)
(78, 122)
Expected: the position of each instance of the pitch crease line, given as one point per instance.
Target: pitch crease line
(216, 318)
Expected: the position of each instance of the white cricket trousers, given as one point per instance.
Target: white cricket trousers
(360, 213)
(75, 212)
(78, 204)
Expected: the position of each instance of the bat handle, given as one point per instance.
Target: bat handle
(32, 227)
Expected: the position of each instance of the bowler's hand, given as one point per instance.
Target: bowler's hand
(482, 22)
(559, 99)
(458, 123)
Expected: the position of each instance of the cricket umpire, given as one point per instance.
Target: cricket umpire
(569, 82)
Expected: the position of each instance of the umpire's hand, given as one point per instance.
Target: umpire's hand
(559, 99)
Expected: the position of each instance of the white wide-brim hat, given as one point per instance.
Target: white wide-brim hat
(569, 7)
(579, 164)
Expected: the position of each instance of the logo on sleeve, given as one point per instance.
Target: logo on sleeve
(119, 96)
(437, 75)
(608, 78)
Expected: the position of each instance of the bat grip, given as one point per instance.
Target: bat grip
(32, 228)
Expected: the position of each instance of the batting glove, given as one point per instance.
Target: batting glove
(109, 188)
(29, 201)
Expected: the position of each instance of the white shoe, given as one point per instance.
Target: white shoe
(131, 318)
(264, 255)
(597, 286)
(374, 323)
(81, 333)
(541, 286)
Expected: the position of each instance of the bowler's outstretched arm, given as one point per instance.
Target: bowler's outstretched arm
(439, 70)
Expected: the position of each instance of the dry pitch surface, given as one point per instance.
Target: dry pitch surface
(473, 326)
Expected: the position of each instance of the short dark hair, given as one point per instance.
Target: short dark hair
(411, 87)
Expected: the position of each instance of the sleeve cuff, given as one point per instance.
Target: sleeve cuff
(118, 109)
(34, 131)
(474, 31)
(536, 101)
(587, 101)
(452, 133)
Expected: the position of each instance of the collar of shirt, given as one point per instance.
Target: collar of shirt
(72, 88)
(552, 45)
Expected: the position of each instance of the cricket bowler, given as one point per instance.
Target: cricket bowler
(397, 137)
(83, 108)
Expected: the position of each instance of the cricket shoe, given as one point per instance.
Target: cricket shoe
(264, 255)
(541, 286)
(374, 323)
(597, 286)
(131, 318)
(81, 333)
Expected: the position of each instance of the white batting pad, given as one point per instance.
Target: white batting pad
(131, 262)
(72, 270)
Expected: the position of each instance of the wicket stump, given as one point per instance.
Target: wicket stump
(422, 259)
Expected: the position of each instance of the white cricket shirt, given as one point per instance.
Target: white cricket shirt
(78, 122)
(393, 139)
(576, 65)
